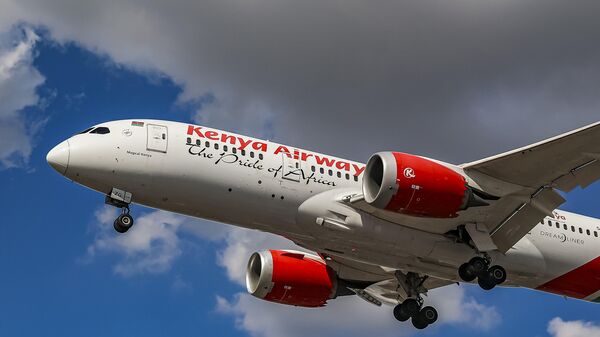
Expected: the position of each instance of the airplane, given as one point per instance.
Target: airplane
(387, 231)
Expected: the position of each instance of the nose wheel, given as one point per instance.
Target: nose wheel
(123, 222)
(120, 199)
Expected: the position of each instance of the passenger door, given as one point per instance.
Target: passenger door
(157, 138)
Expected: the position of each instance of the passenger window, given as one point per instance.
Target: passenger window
(312, 168)
(580, 230)
(573, 229)
(565, 227)
(225, 148)
(216, 146)
(595, 234)
(297, 165)
(189, 140)
(330, 172)
(234, 150)
(101, 130)
(321, 170)
(587, 231)
(251, 154)
(347, 176)
(355, 178)
(339, 174)
(243, 152)
(260, 156)
(198, 142)
(557, 225)
(550, 223)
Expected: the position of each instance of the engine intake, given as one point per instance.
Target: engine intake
(291, 278)
(416, 186)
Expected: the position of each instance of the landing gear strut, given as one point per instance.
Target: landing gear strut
(479, 268)
(412, 308)
(121, 199)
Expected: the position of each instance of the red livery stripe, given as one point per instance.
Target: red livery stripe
(579, 283)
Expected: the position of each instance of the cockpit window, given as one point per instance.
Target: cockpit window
(101, 130)
(86, 130)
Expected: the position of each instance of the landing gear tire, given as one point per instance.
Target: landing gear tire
(429, 314)
(479, 266)
(123, 223)
(118, 227)
(419, 322)
(399, 314)
(410, 307)
(497, 274)
(466, 272)
(486, 281)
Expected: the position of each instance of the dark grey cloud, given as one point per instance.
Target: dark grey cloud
(456, 80)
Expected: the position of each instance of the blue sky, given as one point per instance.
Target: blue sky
(64, 272)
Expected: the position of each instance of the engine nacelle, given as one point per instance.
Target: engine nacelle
(291, 278)
(416, 186)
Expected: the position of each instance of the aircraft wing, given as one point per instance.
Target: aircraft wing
(536, 172)
(383, 288)
(563, 162)
(526, 180)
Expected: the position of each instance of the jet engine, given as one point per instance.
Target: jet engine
(291, 278)
(416, 186)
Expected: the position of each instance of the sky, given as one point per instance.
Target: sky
(456, 80)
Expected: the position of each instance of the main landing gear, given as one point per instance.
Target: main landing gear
(124, 221)
(479, 268)
(412, 308)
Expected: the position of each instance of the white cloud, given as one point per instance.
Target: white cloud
(350, 316)
(559, 328)
(18, 82)
(152, 245)
(240, 244)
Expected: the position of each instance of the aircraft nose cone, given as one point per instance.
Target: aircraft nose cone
(58, 157)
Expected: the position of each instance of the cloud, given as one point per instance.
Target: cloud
(559, 328)
(240, 244)
(350, 316)
(18, 82)
(152, 245)
(445, 79)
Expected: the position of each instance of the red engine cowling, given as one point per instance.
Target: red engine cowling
(291, 278)
(416, 186)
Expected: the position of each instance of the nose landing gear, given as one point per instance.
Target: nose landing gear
(121, 199)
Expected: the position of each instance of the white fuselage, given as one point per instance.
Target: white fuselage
(252, 183)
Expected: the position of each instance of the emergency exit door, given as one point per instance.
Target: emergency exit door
(157, 138)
